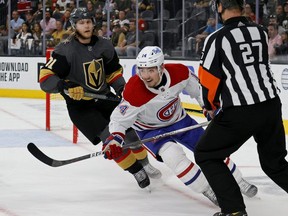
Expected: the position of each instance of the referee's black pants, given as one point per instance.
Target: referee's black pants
(227, 132)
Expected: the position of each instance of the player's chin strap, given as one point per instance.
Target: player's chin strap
(36, 152)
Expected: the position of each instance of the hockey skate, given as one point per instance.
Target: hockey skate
(142, 178)
(209, 193)
(247, 189)
(240, 213)
(152, 171)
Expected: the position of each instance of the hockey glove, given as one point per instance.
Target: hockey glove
(112, 147)
(75, 91)
(210, 114)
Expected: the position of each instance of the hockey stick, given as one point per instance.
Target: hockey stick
(103, 97)
(98, 96)
(36, 152)
(194, 110)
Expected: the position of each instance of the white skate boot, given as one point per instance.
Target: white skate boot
(209, 193)
(247, 189)
(152, 171)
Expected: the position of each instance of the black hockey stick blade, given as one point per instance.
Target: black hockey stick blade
(103, 97)
(194, 110)
(98, 96)
(36, 152)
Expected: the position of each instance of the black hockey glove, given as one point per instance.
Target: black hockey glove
(210, 114)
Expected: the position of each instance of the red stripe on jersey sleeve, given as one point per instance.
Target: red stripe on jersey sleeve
(45, 77)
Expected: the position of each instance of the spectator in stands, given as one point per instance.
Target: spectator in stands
(3, 31)
(128, 46)
(90, 8)
(37, 34)
(16, 23)
(66, 19)
(200, 11)
(29, 19)
(99, 4)
(72, 5)
(285, 13)
(22, 39)
(111, 6)
(49, 24)
(38, 15)
(117, 36)
(274, 39)
(145, 5)
(211, 27)
(37, 31)
(104, 32)
(283, 48)
(279, 13)
(58, 34)
(248, 13)
(63, 4)
(125, 28)
(122, 18)
(133, 5)
(273, 20)
(98, 19)
(123, 5)
(56, 14)
(24, 32)
(3, 39)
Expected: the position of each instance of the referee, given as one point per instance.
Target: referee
(236, 77)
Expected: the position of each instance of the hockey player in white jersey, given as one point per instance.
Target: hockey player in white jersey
(151, 105)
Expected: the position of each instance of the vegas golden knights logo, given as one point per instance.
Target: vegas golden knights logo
(94, 73)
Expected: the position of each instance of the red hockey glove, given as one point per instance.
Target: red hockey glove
(112, 147)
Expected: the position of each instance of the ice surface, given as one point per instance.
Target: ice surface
(97, 186)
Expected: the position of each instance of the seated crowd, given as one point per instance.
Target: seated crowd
(29, 27)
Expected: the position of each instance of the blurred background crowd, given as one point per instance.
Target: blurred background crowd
(179, 27)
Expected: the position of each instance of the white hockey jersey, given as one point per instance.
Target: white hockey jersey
(144, 108)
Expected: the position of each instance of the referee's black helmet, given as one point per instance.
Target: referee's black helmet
(228, 4)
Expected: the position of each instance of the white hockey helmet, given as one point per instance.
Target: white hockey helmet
(150, 56)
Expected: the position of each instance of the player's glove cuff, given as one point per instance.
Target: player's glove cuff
(112, 147)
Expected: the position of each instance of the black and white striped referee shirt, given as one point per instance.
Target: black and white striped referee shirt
(234, 67)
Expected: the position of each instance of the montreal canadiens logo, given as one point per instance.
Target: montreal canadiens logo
(167, 112)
